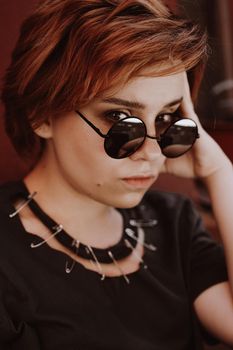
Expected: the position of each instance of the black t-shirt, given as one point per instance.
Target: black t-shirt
(43, 307)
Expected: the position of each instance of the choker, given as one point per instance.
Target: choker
(131, 236)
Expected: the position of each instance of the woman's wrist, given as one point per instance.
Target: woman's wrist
(221, 173)
(222, 177)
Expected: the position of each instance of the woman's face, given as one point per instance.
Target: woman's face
(76, 152)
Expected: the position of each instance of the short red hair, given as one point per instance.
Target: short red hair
(71, 51)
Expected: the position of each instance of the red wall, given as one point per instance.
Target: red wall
(11, 15)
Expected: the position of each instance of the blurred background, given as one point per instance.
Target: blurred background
(214, 107)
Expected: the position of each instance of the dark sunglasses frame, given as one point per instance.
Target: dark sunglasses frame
(158, 139)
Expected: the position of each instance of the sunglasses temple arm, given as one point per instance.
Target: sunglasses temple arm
(91, 125)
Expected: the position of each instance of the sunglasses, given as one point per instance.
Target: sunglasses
(128, 134)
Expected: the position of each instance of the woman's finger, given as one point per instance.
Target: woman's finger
(187, 107)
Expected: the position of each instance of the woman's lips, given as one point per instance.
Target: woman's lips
(139, 181)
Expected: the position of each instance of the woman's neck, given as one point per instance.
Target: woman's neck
(81, 216)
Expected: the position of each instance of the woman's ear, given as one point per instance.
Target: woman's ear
(44, 130)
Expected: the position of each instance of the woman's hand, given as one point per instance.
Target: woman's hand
(206, 157)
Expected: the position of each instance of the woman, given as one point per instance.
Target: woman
(89, 258)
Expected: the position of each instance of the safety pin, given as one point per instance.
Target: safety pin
(143, 223)
(118, 266)
(58, 229)
(68, 269)
(29, 198)
(131, 234)
(129, 245)
(90, 251)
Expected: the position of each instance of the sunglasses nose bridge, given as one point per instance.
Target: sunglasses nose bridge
(149, 150)
(157, 138)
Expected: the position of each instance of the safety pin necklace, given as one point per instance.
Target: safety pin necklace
(74, 245)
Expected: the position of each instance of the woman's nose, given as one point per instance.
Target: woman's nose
(149, 151)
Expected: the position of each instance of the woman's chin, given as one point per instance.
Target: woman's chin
(129, 201)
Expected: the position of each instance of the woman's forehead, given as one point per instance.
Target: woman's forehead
(141, 92)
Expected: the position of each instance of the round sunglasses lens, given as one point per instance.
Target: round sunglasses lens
(125, 137)
(178, 138)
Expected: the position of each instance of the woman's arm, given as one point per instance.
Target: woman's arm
(208, 162)
(214, 306)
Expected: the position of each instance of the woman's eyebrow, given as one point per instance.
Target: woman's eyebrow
(126, 103)
(135, 104)
(174, 103)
